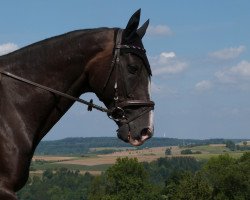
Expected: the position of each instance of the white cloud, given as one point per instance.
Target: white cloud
(7, 48)
(242, 69)
(167, 63)
(161, 30)
(228, 53)
(203, 85)
(165, 57)
(234, 74)
(178, 67)
(224, 76)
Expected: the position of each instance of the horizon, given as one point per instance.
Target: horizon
(48, 140)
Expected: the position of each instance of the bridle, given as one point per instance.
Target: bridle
(116, 112)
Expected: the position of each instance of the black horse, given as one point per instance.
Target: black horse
(40, 82)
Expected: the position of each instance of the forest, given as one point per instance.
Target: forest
(171, 178)
(79, 146)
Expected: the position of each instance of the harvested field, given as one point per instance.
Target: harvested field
(107, 159)
(217, 145)
(40, 172)
(52, 158)
(95, 164)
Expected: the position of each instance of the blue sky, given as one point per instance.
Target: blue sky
(199, 53)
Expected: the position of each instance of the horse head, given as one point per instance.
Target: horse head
(126, 91)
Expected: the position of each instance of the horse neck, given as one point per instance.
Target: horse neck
(63, 63)
(58, 62)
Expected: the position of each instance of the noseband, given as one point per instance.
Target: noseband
(117, 112)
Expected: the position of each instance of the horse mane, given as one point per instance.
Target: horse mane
(54, 39)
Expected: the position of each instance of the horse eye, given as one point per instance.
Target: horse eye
(133, 69)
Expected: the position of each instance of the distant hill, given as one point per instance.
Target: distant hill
(79, 146)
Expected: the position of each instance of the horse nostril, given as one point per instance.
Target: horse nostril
(146, 134)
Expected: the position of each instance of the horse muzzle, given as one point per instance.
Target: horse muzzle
(136, 132)
(125, 134)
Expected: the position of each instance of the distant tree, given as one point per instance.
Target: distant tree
(245, 158)
(161, 169)
(229, 177)
(47, 174)
(194, 187)
(97, 188)
(231, 145)
(168, 151)
(126, 180)
(186, 151)
(245, 147)
(64, 184)
(187, 186)
(222, 178)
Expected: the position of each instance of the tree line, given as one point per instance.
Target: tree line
(176, 178)
(80, 146)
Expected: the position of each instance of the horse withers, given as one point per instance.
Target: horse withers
(40, 82)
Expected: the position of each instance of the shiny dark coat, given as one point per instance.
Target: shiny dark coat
(74, 63)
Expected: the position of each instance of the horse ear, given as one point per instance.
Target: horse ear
(142, 30)
(133, 24)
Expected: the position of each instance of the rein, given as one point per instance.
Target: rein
(117, 112)
(90, 103)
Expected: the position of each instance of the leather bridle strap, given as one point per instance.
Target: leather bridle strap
(116, 58)
(136, 103)
(148, 106)
(146, 110)
(89, 103)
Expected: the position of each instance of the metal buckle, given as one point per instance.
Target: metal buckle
(117, 114)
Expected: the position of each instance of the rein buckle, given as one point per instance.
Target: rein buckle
(117, 114)
(90, 106)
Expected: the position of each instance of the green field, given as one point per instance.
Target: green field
(100, 160)
(36, 167)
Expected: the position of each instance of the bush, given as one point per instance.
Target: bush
(186, 151)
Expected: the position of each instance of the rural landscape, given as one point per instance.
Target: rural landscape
(168, 87)
(164, 168)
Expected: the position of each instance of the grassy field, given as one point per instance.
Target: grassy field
(97, 163)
